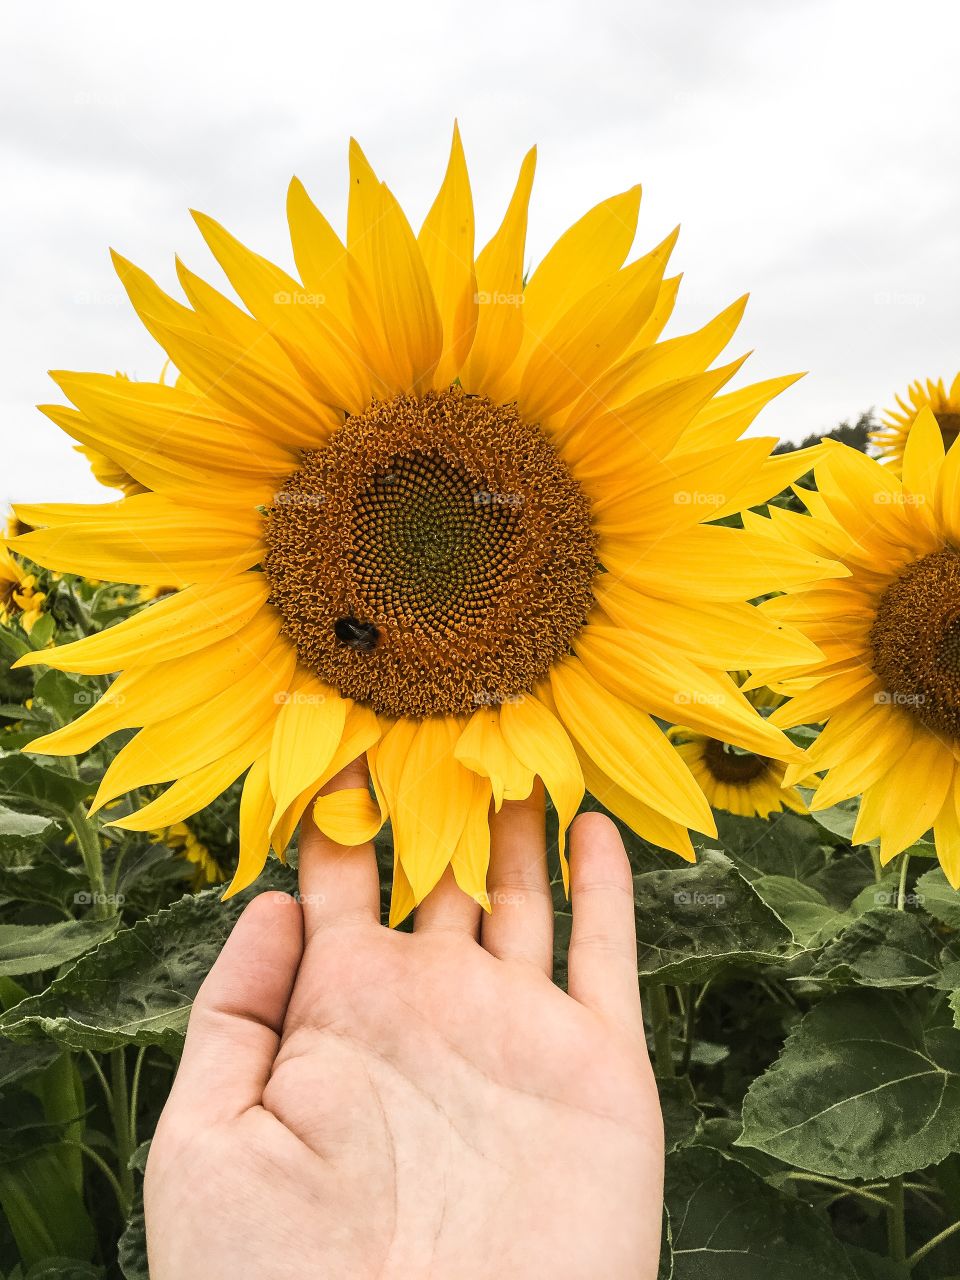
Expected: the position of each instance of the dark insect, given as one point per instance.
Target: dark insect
(362, 636)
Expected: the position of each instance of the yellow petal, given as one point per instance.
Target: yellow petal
(446, 244)
(194, 618)
(483, 749)
(315, 340)
(627, 746)
(256, 806)
(349, 817)
(591, 335)
(319, 253)
(194, 791)
(149, 540)
(306, 734)
(471, 857)
(922, 458)
(541, 743)
(500, 294)
(186, 742)
(427, 793)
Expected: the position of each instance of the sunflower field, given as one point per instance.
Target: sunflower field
(484, 525)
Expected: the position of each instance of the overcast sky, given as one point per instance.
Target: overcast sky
(809, 150)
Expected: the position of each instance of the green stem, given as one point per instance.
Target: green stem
(88, 842)
(689, 1027)
(660, 1022)
(877, 866)
(924, 1249)
(105, 1169)
(101, 1077)
(902, 886)
(120, 1110)
(896, 1228)
(844, 1187)
(134, 1096)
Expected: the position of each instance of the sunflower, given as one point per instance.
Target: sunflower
(891, 436)
(419, 510)
(179, 838)
(742, 782)
(109, 473)
(888, 686)
(19, 597)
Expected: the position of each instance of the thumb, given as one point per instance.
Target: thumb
(237, 1017)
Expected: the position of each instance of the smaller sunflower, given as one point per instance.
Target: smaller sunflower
(109, 473)
(185, 844)
(741, 782)
(891, 437)
(19, 597)
(888, 686)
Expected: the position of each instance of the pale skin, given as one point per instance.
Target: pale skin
(355, 1102)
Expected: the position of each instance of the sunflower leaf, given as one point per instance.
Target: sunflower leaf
(726, 1221)
(889, 948)
(862, 1089)
(138, 987)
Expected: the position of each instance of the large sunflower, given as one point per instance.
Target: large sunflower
(888, 686)
(891, 436)
(418, 510)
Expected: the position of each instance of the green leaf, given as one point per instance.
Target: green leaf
(803, 909)
(13, 645)
(23, 779)
(138, 987)
(862, 1089)
(67, 696)
(43, 1208)
(787, 844)
(874, 1266)
(64, 1269)
(132, 1249)
(29, 948)
(694, 922)
(681, 1115)
(888, 948)
(729, 1223)
(19, 1061)
(22, 826)
(937, 895)
(954, 1003)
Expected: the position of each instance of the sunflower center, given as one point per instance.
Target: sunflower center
(435, 556)
(915, 639)
(735, 767)
(949, 424)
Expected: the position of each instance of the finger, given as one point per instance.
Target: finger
(237, 1017)
(519, 925)
(337, 882)
(447, 908)
(602, 960)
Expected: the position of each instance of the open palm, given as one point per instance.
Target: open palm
(355, 1102)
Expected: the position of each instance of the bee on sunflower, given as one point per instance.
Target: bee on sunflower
(418, 510)
(890, 438)
(888, 685)
(741, 782)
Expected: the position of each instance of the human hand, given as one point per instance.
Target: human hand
(356, 1102)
